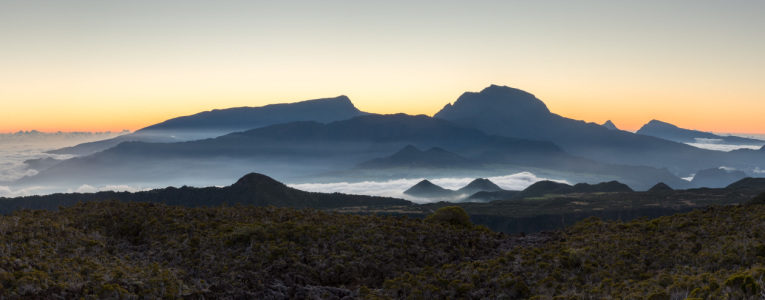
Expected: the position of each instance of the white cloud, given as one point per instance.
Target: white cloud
(396, 188)
(15, 148)
(722, 147)
(85, 188)
(6, 191)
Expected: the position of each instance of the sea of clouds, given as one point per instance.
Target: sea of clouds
(15, 148)
(396, 188)
(719, 145)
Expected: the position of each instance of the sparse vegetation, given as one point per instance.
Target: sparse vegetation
(124, 249)
(146, 250)
(452, 215)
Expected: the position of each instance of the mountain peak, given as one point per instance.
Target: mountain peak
(660, 187)
(494, 99)
(656, 124)
(480, 185)
(610, 125)
(256, 180)
(409, 149)
(427, 189)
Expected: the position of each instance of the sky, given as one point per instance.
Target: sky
(113, 65)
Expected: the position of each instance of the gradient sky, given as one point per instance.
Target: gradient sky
(112, 65)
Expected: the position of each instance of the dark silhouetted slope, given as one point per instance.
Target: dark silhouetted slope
(222, 121)
(505, 111)
(602, 187)
(673, 133)
(716, 177)
(491, 196)
(427, 189)
(479, 185)
(660, 187)
(546, 187)
(610, 125)
(412, 157)
(748, 184)
(252, 189)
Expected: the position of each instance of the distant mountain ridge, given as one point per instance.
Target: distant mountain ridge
(218, 122)
(410, 156)
(509, 112)
(305, 148)
(716, 177)
(251, 189)
(499, 129)
(671, 132)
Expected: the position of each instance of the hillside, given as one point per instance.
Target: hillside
(545, 187)
(505, 111)
(546, 207)
(252, 189)
(671, 132)
(411, 157)
(427, 189)
(145, 250)
(715, 253)
(218, 122)
(479, 185)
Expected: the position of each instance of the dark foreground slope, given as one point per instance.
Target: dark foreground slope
(134, 250)
(543, 209)
(716, 253)
(252, 189)
(145, 250)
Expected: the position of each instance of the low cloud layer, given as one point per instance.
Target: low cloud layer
(396, 188)
(8, 192)
(720, 145)
(723, 147)
(15, 148)
(116, 188)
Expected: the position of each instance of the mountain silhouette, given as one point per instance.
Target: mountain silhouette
(251, 189)
(427, 189)
(660, 187)
(283, 151)
(479, 185)
(545, 187)
(610, 125)
(218, 122)
(300, 149)
(412, 157)
(716, 177)
(505, 111)
(671, 132)
(749, 184)
(602, 187)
